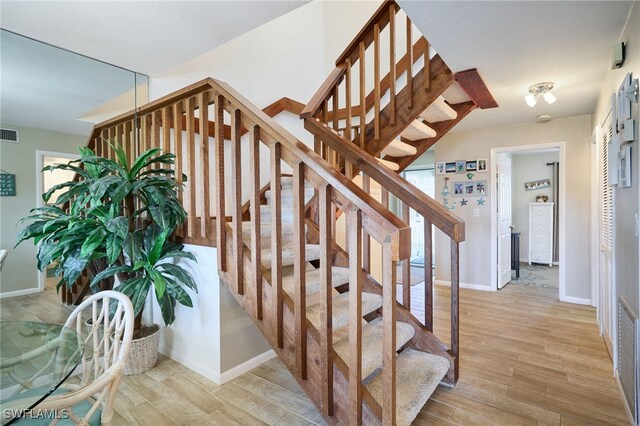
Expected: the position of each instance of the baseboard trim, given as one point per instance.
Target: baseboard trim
(17, 293)
(539, 264)
(576, 300)
(204, 371)
(464, 285)
(247, 366)
(627, 409)
(216, 376)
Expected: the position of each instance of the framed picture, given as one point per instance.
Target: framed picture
(441, 168)
(469, 188)
(450, 167)
(537, 184)
(472, 166)
(460, 166)
(481, 187)
(458, 189)
(482, 166)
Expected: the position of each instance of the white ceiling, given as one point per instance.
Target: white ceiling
(519, 43)
(144, 36)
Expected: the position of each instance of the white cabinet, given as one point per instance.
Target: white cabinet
(541, 233)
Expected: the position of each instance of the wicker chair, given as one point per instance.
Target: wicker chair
(106, 339)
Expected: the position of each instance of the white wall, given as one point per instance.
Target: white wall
(627, 200)
(20, 273)
(475, 252)
(529, 167)
(215, 338)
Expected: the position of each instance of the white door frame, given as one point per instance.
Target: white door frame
(40, 188)
(561, 214)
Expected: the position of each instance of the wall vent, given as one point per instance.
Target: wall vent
(9, 135)
(628, 356)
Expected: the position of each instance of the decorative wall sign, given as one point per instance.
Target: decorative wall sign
(482, 165)
(460, 166)
(441, 168)
(450, 167)
(481, 201)
(472, 166)
(537, 184)
(463, 202)
(7, 185)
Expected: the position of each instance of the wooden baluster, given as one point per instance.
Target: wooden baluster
(406, 267)
(410, 66)
(354, 232)
(326, 302)
(177, 135)
(205, 193)
(256, 236)
(347, 97)
(97, 145)
(366, 243)
(455, 304)
(112, 141)
(392, 64)
(384, 197)
(299, 271)
(221, 231)
(155, 134)
(363, 94)
(236, 212)
(427, 67)
(128, 146)
(166, 130)
(120, 136)
(376, 80)
(276, 239)
(428, 275)
(389, 336)
(191, 160)
(317, 145)
(325, 114)
(336, 108)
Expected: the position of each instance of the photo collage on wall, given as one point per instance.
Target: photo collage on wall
(465, 169)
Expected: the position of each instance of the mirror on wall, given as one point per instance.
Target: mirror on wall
(50, 99)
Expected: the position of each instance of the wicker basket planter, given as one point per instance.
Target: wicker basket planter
(143, 354)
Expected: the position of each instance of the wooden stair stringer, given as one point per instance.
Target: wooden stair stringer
(441, 128)
(442, 78)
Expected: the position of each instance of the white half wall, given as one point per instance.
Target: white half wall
(475, 251)
(215, 338)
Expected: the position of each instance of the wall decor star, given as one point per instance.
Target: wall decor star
(481, 201)
(464, 202)
(470, 176)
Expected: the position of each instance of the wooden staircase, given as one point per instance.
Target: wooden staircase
(299, 250)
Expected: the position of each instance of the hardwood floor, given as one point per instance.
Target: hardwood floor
(527, 359)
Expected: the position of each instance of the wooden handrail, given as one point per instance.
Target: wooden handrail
(381, 18)
(443, 219)
(325, 91)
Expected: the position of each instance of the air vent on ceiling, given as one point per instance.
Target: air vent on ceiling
(9, 135)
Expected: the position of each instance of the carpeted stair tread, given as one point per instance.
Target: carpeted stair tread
(389, 164)
(289, 251)
(417, 376)
(370, 302)
(417, 130)
(455, 94)
(286, 214)
(372, 338)
(398, 148)
(313, 284)
(438, 111)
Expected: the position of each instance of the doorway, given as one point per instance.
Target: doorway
(423, 179)
(45, 181)
(527, 220)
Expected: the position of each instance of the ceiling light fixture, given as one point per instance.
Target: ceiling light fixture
(537, 89)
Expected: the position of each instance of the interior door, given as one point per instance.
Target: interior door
(504, 218)
(423, 179)
(606, 238)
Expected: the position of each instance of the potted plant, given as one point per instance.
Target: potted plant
(115, 222)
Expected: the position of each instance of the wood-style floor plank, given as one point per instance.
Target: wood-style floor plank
(526, 359)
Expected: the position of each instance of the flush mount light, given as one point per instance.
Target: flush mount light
(540, 88)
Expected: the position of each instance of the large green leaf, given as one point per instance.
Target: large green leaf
(156, 249)
(180, 275)
(167, 307)
(109, 272)
(93, 241)
(142, 161)
(73, 266)
(159, 282)
(178, 293)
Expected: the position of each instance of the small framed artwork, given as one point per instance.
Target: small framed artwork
(458, 189)
(482, 166)
(481, 187)
(472, 166)
(460, 166)
(537, 184)
(470, 188)
(450, 167)
(440, 168)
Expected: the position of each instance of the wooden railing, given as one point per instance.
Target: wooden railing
(350, 158)
(194, 124)
(372, 116)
